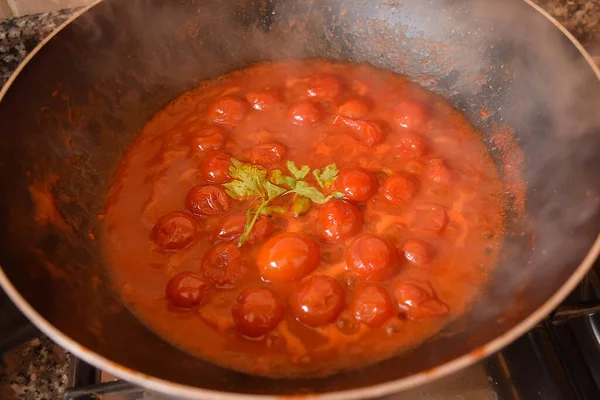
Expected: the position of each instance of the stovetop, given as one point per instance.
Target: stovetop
(558, 359)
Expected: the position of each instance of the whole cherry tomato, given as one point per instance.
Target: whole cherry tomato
(267, 153)
(418, 300)
(399, 188)
(305, 113)
(318, 300)
(264, 100)
(357, 184)
(372, 305)
(258, 311)
(287, 257)
(215, 167)
(228, 110)
(207, 200)
(186, 290)
(175, 230)
(223, 265)
(372, 257)
(339, 220)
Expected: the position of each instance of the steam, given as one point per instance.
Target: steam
(504, 57)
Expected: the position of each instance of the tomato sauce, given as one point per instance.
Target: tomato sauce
(381, 251)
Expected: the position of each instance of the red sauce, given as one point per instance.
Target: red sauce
(315, 288)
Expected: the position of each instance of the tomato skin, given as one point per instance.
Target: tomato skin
(186, 290)
(267, 153)
(417, 251)
(287, 257)
(175, 231)
(368, 133)
(318, 300)
(305, 113)
(418, 300)
(354, 109)
(371, 305)
(357, 184)
(325, 87)
(429, 219)
(207, 200)
(439, 172)
(411, 145)
(209, 138)
(399, 188)
(223, 265)
(215, 167)
(258, 311)
(232, 227)
(339, 220)
(228, 110)
(372, 257)
(264, 100)
(410, 115)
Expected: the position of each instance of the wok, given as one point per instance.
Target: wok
(72, 110)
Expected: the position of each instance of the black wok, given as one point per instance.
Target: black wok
(73, 109)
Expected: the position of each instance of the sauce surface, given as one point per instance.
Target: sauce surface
(402, 244)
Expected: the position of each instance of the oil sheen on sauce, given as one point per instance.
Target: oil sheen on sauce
(368, 276)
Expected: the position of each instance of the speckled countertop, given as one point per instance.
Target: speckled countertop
(38, 370)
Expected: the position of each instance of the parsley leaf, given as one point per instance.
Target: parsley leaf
(249, 182)
(326, 176)
(298, 173)
(278, 178)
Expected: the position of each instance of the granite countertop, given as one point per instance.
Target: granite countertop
(38, 370)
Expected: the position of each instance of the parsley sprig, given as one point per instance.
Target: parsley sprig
(253, 182)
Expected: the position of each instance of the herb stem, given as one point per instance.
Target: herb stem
(250, 226)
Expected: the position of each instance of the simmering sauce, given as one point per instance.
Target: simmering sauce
(298, 218)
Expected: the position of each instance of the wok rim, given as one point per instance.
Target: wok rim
(191, 392)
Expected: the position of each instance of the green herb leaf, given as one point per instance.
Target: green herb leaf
(298, 173)
(278, 178)
(326, 176)
(250, 182)
(305, 189)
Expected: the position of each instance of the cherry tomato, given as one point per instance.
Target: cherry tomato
(372, 257)
(417, 251)
(207, 200)
(175, 231)
(354, 109)
(258, 311)
(267, 153)
(339, 220)
(306, 113)
(417, 300)
(368, 133)
(263, 100)
(228, 110)
(372, 305)
(411, 145)
(357, 184)
(209, 138)
(232, 227)
(324, 87)
(287, 257)
(223, 265)
(318, 300)
(430, 218)
(186, 290)
(438, 171)
(410, 115)
(399, 188)
(215, 167)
